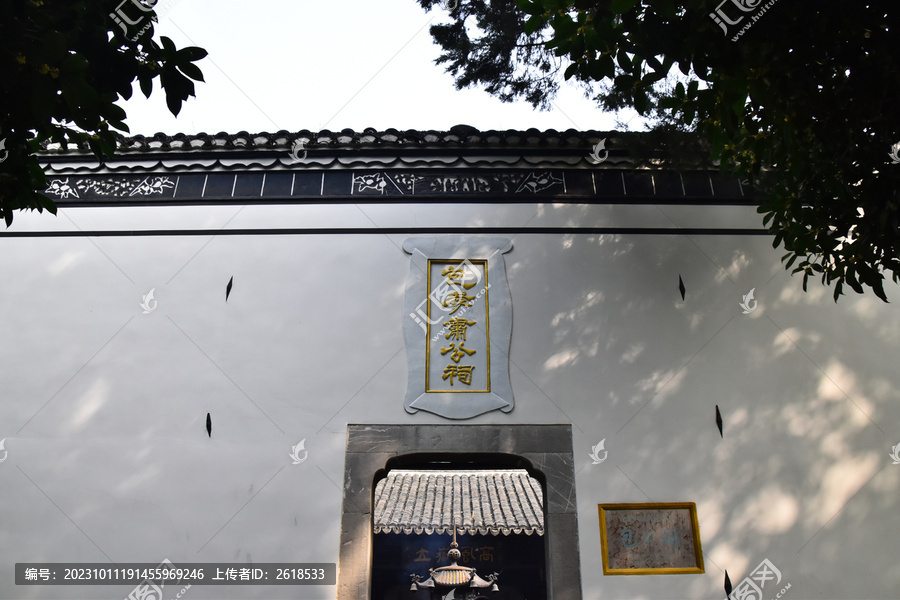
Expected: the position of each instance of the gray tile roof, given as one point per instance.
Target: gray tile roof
(460, 147)
(462, 163)
(483, 502)
(456, 136)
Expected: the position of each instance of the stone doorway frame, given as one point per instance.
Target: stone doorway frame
(547, 447)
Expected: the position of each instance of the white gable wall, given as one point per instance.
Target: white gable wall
(104, 407)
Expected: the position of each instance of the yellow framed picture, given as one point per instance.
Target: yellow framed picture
(656, 538)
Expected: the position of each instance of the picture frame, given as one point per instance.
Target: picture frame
(650, 538)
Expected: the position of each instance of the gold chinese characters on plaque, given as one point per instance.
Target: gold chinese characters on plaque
(650, 538)
(457, 354)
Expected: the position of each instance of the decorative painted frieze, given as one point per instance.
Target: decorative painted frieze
(122, 187)
(511, 182)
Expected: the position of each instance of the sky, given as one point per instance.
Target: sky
(331, 64)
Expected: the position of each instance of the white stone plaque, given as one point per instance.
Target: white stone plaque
(457, 324)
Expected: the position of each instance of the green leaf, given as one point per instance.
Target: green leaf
(641, 101)
(529, 7)
(607, 66)
(535, 23)
(190, 54)
(146, 84)
(114, 112)
(878, 287)
(174, 104)
(120, 125)
(851, 279)
(45, 203)
(169, 46)
(192, 71)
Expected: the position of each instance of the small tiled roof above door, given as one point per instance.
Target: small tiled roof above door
(492, 501)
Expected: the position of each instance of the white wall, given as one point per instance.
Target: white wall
(104, 407)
